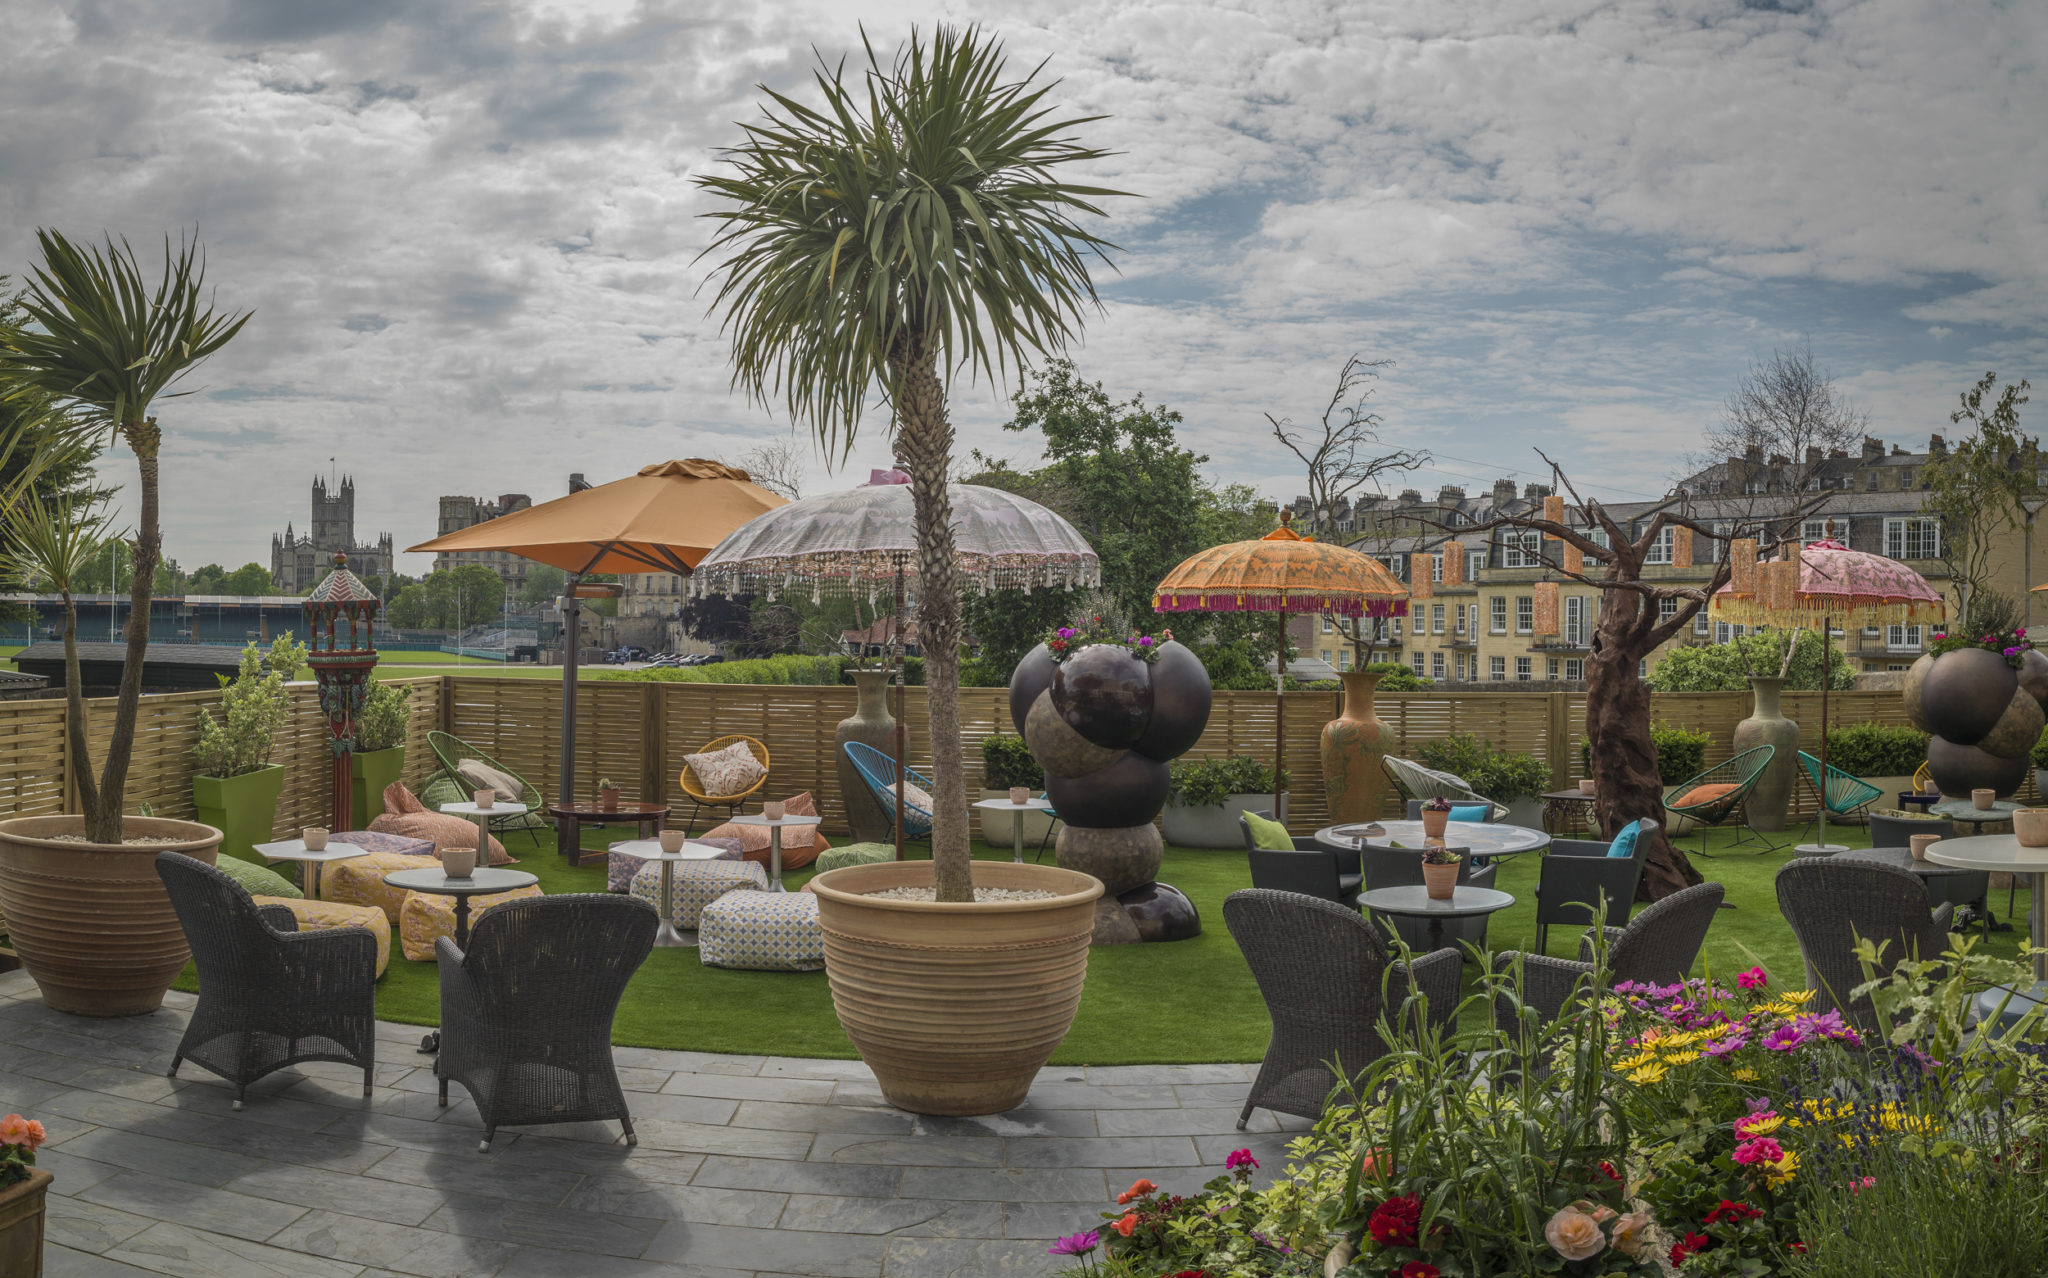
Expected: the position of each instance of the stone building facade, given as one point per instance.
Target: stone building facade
(299, 560)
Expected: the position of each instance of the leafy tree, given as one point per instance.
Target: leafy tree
(544, 582)
(1981, 488)
(407, 610)
(919, 224)
(1726, 667)
(248, 580)
(102, 346)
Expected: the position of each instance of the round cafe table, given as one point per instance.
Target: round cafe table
(1016, 811)
(1414, 901)
(650, 850)
(483, 817)
(296, 850)
(1482, 839)
(570, 818)
(1566, 811)
(775, 841)
(1966, 812)
(435, 882)
(2002, 854)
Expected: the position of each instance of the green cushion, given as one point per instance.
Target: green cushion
(258, 880)
(1268, 834)
(855, 854)
(1898, 815)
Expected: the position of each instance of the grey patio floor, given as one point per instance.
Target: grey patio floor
(747, 1165)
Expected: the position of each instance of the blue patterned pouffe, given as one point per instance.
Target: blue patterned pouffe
(762, 932)
(697, 884)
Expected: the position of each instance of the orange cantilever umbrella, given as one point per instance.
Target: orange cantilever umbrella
(664, 519)
(1281, 573)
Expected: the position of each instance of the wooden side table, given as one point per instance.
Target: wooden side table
(570, 818)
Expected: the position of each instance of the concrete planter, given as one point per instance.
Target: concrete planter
(1210, 825)
(243, 808)
(91, 921)
(1893, 787)
(1525, 812)
(374, 770)
(996, 828)
(21, 1226)
(955, 1006)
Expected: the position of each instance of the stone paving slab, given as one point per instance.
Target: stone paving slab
(748, 1166)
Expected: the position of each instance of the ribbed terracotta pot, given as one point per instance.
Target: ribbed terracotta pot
(91, 921)
(955, 1006)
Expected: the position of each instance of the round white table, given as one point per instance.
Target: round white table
(483, 881)
(650, 850)
(296, 850)
(775, 842)
(2002, 854)
(1483, 838)
(1016, 811)
(483, 823)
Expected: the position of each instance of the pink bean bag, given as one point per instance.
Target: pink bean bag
(404, 814)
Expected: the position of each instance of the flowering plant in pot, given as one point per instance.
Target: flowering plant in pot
(1436, 817)
(23, 1190)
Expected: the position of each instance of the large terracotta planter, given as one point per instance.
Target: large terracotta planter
(955, 1006)
(91, 921)
(1353, 744)
(373, 770)
(1770, 799)
(871, 724)
(243, 808)
(21, 1226)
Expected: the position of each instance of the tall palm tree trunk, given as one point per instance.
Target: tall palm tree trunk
(103, 809)
(74, 707)
(924, 443)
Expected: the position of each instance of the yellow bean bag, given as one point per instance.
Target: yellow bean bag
(427, 918)
(319, 916)
(360, 881)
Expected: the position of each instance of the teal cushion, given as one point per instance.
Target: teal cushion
(1471, 812)
(1267, 834)
(1624, 844)
(258, 880)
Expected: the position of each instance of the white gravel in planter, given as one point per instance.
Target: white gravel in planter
(980, 894)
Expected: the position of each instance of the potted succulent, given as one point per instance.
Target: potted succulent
(1205, 797)
(1440, 869)
(382, 726)
(237, 786)
(1436, 816)
(85, 908)
(608, 793)
(1006, 762)
(23, 1189)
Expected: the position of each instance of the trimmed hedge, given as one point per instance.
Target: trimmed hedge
(1875, 750)
(1007, 761)
(1681, 753)
(1500, 775)
(824, 671)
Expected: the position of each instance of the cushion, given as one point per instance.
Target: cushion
(1897, 815)
(1471, 812)
(1268, 834)
(482, 776)
(405, 815)
(855, 854)
(360, 880)
(916, 796)
(258, 880)
(398, 799)
(320, 916)
(1703, 794)
(762, 931)
(696, 884)
(731, 770)
(377, 841)
(800, 844)
(1624, 844)
(619, 868)
(427, 918)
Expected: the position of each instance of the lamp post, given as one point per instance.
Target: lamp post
(340, 615)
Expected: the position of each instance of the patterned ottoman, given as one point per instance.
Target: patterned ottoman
(620, 868)
(318, 916)
(762, 932)
(427, 918)
(855, 854)
(697, 884)
(360, 880)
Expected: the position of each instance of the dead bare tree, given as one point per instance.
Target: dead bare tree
(1344, 455)
(778, 466)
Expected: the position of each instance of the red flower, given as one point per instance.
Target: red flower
(1607, 1170)
(1393, 1223)
(1192, 1273)
(1127, 1224)
(1417, 1269)
(1686, 1246)
(1139, 1188)
(1796, 1247)
(1734, 1213)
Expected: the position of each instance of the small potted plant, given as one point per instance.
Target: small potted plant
(1436, 815)
(382, 726)
(1440, 869)
(608, 793)
(23, 1189)
(236, 787)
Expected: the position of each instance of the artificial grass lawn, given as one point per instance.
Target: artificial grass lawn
(1191, 1001)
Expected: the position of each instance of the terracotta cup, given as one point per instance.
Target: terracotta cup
(1020, 795)
(1920, 843)
(672, 840)
(484, 798)
(1586, 787)
(1983, 800)
(2030, 827)
(315, 838)
(458, 863)
(772, 809)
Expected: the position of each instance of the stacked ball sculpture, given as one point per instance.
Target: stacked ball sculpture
(1983, 710)
(1104, 717)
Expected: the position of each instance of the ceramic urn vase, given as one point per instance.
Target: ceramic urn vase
(1353, 744)
(1771, 798)
(871, 724)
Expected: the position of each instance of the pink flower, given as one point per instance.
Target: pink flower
(1574, 1234)
(1239, 1158)
(1753, 979)
(1785, 1038)
(1761, 1149)
(16, 1130)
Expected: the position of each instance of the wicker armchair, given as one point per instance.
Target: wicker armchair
(1578, 872)
(732, 803)
(526, 1013)
(1832, 901)
(450, 750)
(1310, 869)
(1319, 967)
(1945, 883)
(879, 771)
(269, 994)
(1658, 947)
(1842, 794)
(1739, 775)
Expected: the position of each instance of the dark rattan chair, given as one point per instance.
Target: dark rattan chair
(1319, 967)
(1576, 873)
(1310, 869)
(1832, 901)
(1842, 794)
(1740, 775)
(269, 994)
(1946, 884)
(1658, 947)
(526, 1013)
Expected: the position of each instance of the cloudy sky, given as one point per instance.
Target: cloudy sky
(468, 232)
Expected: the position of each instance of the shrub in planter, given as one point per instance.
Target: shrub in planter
(236, 787)
(1681, 753)
(1877, 750)
(1500, 775)
(381, 729)
(1205, 798)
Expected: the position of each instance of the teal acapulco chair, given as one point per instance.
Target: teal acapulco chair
(879, 771)
(1842, 796)
(1722, 792)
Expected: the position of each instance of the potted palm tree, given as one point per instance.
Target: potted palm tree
(381, 730)
(84, 906)
(918, 220)
(236, 786)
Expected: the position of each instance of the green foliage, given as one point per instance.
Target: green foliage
(1208, 782)
(1006, 761)
(786, 669)
(252, 706)
(212, 579)
(467, 596)
(1876, 750)
(2040, 751)
(2010, 644)
(1681, 753)
(385, 717)
(1500, 775)
(1978, 492)
(1726, 667)
(543, 583)
(1395, 677)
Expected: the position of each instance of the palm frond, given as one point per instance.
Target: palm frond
(51, 543)
(922, 208)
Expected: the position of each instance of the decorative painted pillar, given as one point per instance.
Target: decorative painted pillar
(340, 619)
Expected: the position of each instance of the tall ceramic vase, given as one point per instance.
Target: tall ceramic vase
(1353, 744)
(871, 725)
(1771, 799)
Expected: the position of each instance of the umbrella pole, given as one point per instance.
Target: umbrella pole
(1827, 652)
(902, 753)
(571, 628)
(1280, 722)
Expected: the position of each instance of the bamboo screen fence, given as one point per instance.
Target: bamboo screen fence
(638, 733)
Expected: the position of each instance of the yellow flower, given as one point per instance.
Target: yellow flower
(1647, 1074)
(1681, 1058)
(1799, 997)
(1781, 1007)
(1746, 1075)
(1781, 1172)
(1762, 1126)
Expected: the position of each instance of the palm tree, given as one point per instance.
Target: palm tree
(98, 342)
(916, 224)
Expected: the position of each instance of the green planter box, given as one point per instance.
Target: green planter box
(375, 769)
(243, 808)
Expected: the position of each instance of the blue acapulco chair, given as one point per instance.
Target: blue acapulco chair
(879, 771)
(1842, 795)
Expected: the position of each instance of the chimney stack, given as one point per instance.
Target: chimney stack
(1503, 491)
(1937, 446)
(1450, 494)
(1873, 449)
(1411, 497)
(1535, 492)
(1813, 454)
